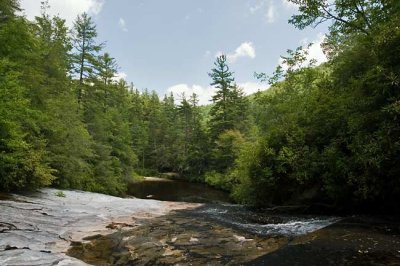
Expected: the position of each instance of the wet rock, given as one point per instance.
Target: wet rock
(180, 238)
(361, 241)
(43, 229)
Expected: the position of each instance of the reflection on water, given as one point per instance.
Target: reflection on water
(219, 210)
(220, 233)
(172, 190)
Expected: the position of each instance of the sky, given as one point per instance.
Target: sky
(170, 46)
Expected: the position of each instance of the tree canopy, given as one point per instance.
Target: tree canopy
(326, 134)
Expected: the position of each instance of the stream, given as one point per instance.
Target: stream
(176, 223)
(221, 233)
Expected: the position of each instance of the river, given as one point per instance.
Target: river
(196, 226)
(218, 232)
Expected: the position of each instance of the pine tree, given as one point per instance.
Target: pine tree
(68, 141)
(196, 146)
(223, 80)
(22, 148)
(228, 114)
(84, 59)
(230, 106)
(104, 71)
(8, 9)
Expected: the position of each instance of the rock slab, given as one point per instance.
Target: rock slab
(38, 229)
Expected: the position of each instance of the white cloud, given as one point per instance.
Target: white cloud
(314, 52)
(122, 24)
(256, 7)
(266, 7)
(120, 75)
(271, 14)
(246, 49)
(288, 4)
(252, 87)
(204, 93)
(66, 9)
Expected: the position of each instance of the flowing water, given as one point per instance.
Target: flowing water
(221, 233)
(218, 208)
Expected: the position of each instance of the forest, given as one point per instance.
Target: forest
(327, 134)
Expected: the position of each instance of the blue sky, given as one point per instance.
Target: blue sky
(170, 46)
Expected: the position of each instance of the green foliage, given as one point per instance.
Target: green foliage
(228, 117)
(22, 164)
(84, 59)
(228, 147)
(330, 134)
(327, 134)
(60, 194)
(8, 8)
(47, 137)
(68, 142)
(229, 106)
(22, 149)
(218, 180)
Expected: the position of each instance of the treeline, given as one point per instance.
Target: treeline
(328, 134)
(66, 121)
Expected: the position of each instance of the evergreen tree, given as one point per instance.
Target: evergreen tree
(104, 71)
(22, 148)
(194, 161)
(8, 9)
(68, 141)
(86, 49)
(138, 127)
(228, 112)
(222, 79)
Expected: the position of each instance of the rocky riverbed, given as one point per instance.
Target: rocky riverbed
(39, 228)
(87, 228)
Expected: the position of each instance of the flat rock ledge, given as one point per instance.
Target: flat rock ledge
(38, 229)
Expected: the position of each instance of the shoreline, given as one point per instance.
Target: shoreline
(41, 227)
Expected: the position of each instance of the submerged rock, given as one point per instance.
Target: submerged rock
(178, 238)
(216, 236)
(81, 228)
(355, 241)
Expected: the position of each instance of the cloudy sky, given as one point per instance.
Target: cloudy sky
(170, 46)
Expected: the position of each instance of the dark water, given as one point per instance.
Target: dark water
(219, 208)
(173, 190)
(222, 233)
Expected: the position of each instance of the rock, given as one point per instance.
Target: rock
(242, 238)
(37, 229)
(193, 240)
(181, 239)
(36, 258)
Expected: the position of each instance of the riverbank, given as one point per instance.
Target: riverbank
(226, 235)
(38, 229)
(53, 227)
(176, 190)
